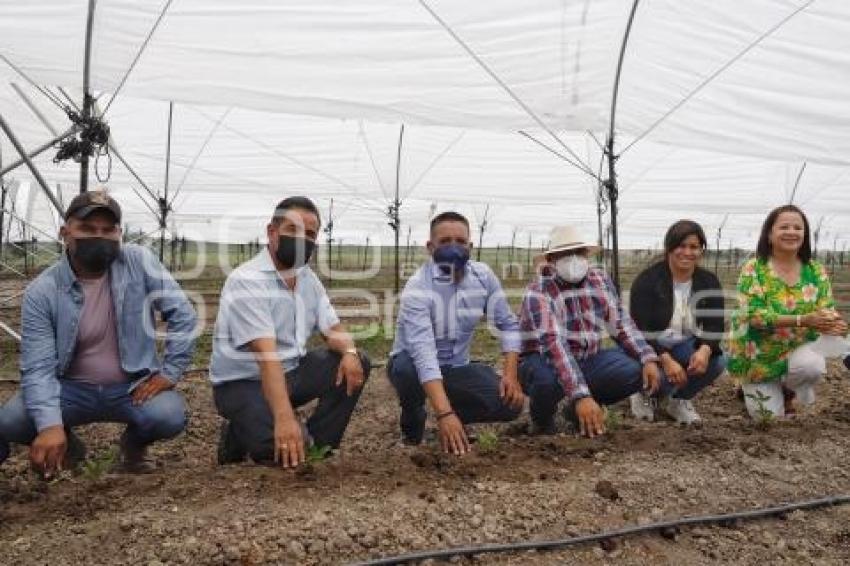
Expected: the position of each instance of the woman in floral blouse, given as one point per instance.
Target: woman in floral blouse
(786, 303)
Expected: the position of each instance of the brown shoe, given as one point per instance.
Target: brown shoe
(75, 452)
(133, 457)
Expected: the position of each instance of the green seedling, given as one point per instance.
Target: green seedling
(764, 416)
(488, 442)
(613, 419)
(316, 453)
(96, 467)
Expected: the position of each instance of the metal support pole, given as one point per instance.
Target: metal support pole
(84, 158)
(163, 202)
(719, 234)
(30, 165)
(34, 109)
(68, 98)
(482, 227)
(163, 211)
(329, 230)
(88, 99)
(611, 183)
(612, 191)
(39, 150)
(11, 211)
(396, 207)
(599, 219)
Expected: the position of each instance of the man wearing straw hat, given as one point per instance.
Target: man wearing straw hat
(566, 312)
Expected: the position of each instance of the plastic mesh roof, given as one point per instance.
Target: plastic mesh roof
(726, 102)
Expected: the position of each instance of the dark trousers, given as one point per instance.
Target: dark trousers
(162, 417)
(473, 391)
(682, 353)
(251, 424)
(611, 375)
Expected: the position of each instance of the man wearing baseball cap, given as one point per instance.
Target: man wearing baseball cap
(566, 312)
(88, 348)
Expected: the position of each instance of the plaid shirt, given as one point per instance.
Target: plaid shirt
(566, 322)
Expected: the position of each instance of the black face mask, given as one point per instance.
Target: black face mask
(294, 252)
(95, 255)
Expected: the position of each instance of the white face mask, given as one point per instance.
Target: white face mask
(572, 268)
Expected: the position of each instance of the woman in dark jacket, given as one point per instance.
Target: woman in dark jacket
(679, 308)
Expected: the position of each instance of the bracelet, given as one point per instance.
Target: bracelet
(445, 414)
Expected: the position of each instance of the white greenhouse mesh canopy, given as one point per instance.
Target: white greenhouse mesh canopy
(725, 109)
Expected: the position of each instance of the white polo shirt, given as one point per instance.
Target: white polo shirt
(256, 303)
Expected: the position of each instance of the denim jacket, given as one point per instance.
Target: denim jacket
(50, 315)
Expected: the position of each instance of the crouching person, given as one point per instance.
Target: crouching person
(261, 369)
(565, 314)
(440, 307)
(679, 305)
(88, 348)
(786, 304)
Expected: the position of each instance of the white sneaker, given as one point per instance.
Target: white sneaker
(682, 411)
(641, 406)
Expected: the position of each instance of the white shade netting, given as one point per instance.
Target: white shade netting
(726, 104)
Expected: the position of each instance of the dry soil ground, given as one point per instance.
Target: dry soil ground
(376, 498)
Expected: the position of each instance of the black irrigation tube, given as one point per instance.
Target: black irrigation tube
(626, 531)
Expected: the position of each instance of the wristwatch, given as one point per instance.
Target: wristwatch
(351, 350)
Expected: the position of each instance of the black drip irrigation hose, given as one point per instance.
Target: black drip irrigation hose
(626, 531)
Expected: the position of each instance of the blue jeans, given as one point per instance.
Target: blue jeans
(159, 418)
(473, 391)
(682, 353)
(612, 375)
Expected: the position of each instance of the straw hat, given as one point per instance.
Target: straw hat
(566, 238)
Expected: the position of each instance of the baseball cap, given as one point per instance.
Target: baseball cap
(85, 203)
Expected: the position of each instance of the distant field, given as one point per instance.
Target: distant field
(201, 271)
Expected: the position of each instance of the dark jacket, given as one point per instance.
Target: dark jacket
(652, 302)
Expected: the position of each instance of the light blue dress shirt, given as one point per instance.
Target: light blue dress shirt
(437, 317)
(256, 303)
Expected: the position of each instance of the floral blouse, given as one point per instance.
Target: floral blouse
(761, 354)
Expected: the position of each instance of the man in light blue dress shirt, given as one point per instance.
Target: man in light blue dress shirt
(440, 307)
(261, 369)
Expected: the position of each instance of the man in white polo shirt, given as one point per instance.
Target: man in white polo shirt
(261, 369)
